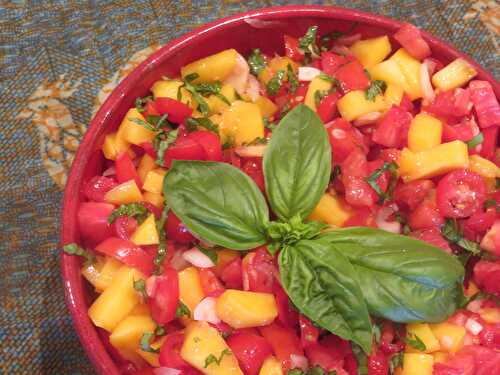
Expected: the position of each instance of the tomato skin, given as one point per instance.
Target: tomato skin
(163, 302)
(410, 38)
(344, 139)
(184, 148)
(450, 105)
(479, 222)
(176, 230)
(292, 48)
(258, 271)
(169, 352)
(92, 220)
(124, 226)
(464, 366)
(210, 142)
(488, 147)
(324, 357)
(352, 76)
(363, 217)
(327, 108)
(426, 215)
(330, 62)
(125, 169)
(149, 149)
(487, 276)
(127, 252)
(485, 103)
(490, 336)
(388, 345)
(150, 110)
(392, 130)
(283, 341)
(357, 191)
(378, 364)
(287, 315)
(460, 194)
(463, 131)
(210, 283)
(251, 350)
(177, 111)
(409, 196)
(231, 274)
(486, 360)
(308, 332)
(432, 236)
(96, 188)
(253, 168)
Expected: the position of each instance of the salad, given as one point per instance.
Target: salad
(330, 211)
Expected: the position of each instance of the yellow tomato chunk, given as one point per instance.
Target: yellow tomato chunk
(133, 132)
(242, 309)
(242, 123)
(411, 70)
(117, 301)
(146, 233)
(190, 290)
(331, 210)
(354, 104)
(417, 364)
(317, 85)
(212, 68)
(127, 192)
(203, 342)
(371, 51)
(425, 132)
(424, 333)
(450, 336)
(455, 74)
(440, 357)
(271, 366)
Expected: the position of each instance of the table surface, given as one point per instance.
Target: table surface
(58, 62)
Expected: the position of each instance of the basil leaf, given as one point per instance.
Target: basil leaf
(256, 62)
(322, 283)
(297, 164)
(217, 202)
(402, 279)
(376, 88)
(475, 141)
(274, 84)
(452, 232)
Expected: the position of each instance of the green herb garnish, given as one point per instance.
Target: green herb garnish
(307, 43)
(192, 123)
(162, 144)
(182, 310)
(373, 177)
(140, 286)
(274, 84)
(162, 246)
(256, 62)
(376, 88)
(452, 232)
(213, 359)
(141, 102)
(475, 141)
(415, 342)
(74, 249)
(145, 343)
(135, 210)
(292, 79)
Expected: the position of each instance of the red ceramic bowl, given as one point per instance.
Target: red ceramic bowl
(261, 28)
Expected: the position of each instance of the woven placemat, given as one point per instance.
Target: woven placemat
(58, 62)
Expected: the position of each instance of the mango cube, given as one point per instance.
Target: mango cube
(151, 358)
(424, 333)
(371, 51)
(100, 275)
(267, 107)
(455, 74)
(212, 68)
(281, 63)
(433, 162)
(202, 341)
(390, 72)
(117, 300)
(216, 105)
(425, 132)
(332, 210)
(483, 167)
(146, 164)
(241, 123)
(354, 104)
(242, 309)
(417, 364)
(146, 233)
(170, 88)
(393, 95)
(450, 336)
(133, 132)
(490, 315)
(154, 180)
(317, 85)
(113, 146)
(127, 192)
(440, 357)
(155, 199)
(129, 331)
(271, 366)
(190, 290)
(411, 70)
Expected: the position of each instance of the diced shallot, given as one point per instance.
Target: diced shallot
(425, 82)
(151, 286)
(239, 75)
(473, 326)
(253, 88)
(382, 223)
(475, 305)
(367, 119)
(250, 151)
(166, 371)
(307, 73)
(205, 311)
(298, 361)
(178, 262)
(197, 258)
(111, 171)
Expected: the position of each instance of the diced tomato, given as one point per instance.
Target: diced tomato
(390, 342)
(330, 62)
(432, 236)
(184, 149)
(231, 274)
(230, 156)
(327, 358)
(294, 99)
(153, 209)
(144, 371)
(125, 169)
(176, 230)
(487, 276)
(451, 105)
(363, 217)
(392, 130)
(224, 329)
(258, 271)
(409, 196)
(128, 253)
(462, 365)
(327, 108)
(486, 360)
(292, 48)
(344, 138)
(177, 111)
(124, 226)
(169, 352)
(352, 76)
(460, 194)
(426, 215)
(479, 223)
(490, 336)
(251, 350)
(485, 103)
(489, 145)
(287, 315)
(96, 188)
(378, 363)
(150, 110)
(354, 170)
(93, 221)
(165, 297)
(383, 180)
(149, 149)
(410, 38)
(389, 154)
(210, 143)
(309, 333)
(252, 166)
(210, 283)
(463, 131)
(284, 342)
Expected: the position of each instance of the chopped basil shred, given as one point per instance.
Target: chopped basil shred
(143, 123)
(328, 78)
(395, 362)
(162, 246)
(361, 358)
(307, 44)
(182, 310)
(319, 95)
(373, 177)
(140, 286)
(452, 232)
(141, 102)
(376, 88)
(415, 342)
(211, 253)
(192, 123)
(134, 210)
(74, 249)
(274, 84)
(256, 141)
(293, 80)
(145, 343)
(256, 62)
(162, 142)
(475, 141)
(491, 203)
(213, 359)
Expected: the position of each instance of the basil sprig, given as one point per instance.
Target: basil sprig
(335, 278)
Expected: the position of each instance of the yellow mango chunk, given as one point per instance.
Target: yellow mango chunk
(317, 84)
(433, 162)
(424, 333)
(354, 104)
(271, 366)
(425, 132)
(117, 300)
(216, 105)
(202, 341)
(146, 233)
(411, 70)
(371, 51)
(281, 63)
(265, 75)
(483, 167)
(242, 123)
(131, 131)
(114, 146)
(129, 331)
(127, 192)
(440, 357)
(170, 88)
(151, 358)
(450, 336)
(417, 364)
(100, 275)
(154, 180)
(190, 290)
(146, 164)
(155, 199)
(331, 210)
(223, 258)
(471, 290)
(266, 105)
(141, 309)
(212, 68)
(490, 315)
(242, 309)
(390, 72)
(455, 74)
(393, 95)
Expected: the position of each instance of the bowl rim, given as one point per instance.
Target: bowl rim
(75, 301)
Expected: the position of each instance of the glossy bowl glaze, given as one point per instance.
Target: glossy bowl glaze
(262, 29)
